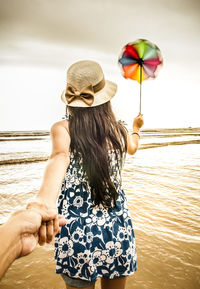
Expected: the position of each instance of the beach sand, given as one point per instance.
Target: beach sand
(162, 188)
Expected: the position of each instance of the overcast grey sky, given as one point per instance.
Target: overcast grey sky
(51, 35)
(101, 24)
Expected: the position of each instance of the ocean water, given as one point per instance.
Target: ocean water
(162, 184)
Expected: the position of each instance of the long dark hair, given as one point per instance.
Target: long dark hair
(93, 131)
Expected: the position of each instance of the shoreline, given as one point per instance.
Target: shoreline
(141, 147)
(189, 130)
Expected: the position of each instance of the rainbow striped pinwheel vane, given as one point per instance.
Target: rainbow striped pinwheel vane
(140, 60)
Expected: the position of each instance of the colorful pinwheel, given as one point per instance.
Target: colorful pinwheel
(140, 60)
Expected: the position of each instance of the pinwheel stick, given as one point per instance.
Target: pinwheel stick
(140, 88)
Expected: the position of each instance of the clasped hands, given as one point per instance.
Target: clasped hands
(37, 224)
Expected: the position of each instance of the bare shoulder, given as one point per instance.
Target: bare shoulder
(60, 138)
(60, 127)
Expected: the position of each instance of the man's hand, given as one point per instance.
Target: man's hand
(19, 235)
(28, 223)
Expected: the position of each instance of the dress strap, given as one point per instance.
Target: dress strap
(66, 117)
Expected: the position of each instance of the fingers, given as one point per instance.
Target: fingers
(42, 234)
(61, 220)
(56, 226)
(51, 222)
(46, 213)
(50, 231)
(48, 216)
(53, 227)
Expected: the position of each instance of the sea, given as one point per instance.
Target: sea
(162, 185)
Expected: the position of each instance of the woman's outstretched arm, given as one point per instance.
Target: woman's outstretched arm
(52, 180)
(56, 165)
(133, 139)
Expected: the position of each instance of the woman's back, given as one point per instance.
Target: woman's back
(94, 133)
(75, 174)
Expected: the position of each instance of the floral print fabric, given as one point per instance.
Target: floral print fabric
(95, 242)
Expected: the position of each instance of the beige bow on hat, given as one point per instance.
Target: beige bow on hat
(86, 94)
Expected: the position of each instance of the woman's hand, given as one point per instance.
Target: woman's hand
(49, 229)
(133, 139)
(138, 122)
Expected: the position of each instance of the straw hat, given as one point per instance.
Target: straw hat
(86, 86)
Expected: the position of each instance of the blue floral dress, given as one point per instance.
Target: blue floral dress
(95, 242)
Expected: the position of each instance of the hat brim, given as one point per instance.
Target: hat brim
(100, 97)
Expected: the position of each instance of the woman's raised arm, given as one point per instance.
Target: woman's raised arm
(133, 139)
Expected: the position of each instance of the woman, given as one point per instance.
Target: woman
(89, 149)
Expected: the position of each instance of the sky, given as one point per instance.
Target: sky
(40, 39)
